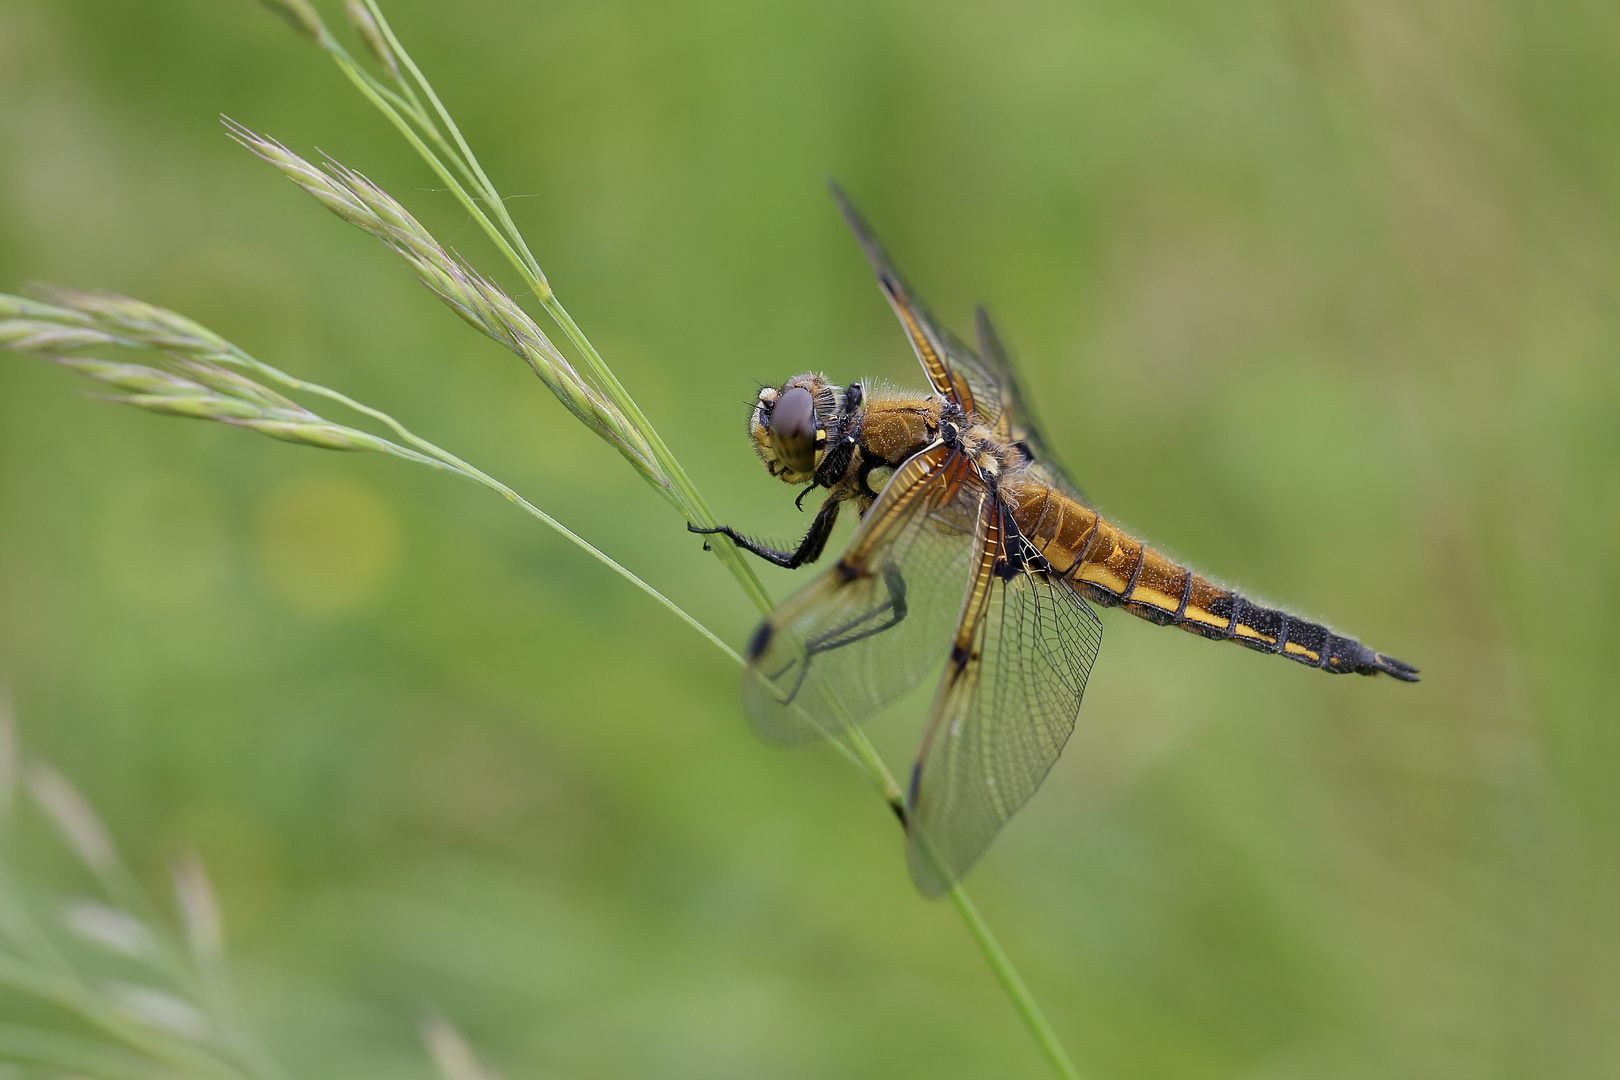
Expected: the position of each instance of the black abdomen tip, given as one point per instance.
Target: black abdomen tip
(760, 641)
(1395, 668)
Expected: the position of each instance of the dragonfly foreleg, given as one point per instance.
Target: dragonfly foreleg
(874, 620)
(808, 551)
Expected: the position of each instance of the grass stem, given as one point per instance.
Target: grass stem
(1023, 1002)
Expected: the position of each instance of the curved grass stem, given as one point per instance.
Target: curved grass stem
(679, 612)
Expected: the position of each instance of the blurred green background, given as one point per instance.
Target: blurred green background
(1324, 297)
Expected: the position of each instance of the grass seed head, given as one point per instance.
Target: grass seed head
(160, 1009)
(135, 378)
(130, 323)
(318, 433)
(196, 406)
(301, 16)
(37, 336)
(371, 34)
(111, 928)
(228, 397)
(234, 384)
(451, 1052)
(477, 300)
(199, 911)
(74, 818)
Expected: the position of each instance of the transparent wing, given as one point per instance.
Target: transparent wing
(981, 382)
(1018, 418)
(1005, 708)
(867, 629)
(952, 367)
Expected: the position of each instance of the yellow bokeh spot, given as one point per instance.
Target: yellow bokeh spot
(327, 544)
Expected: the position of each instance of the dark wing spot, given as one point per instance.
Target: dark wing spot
(760, 641)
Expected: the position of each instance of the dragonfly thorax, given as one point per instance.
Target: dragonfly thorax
(989, 455)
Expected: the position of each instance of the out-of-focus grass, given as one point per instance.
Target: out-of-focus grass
(1322, 297)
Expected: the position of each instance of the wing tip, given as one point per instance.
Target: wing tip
(930, 878)
(863, 235)
(847, 208)
(990, 345)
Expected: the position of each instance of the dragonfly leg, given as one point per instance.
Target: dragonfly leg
(808, 551)
(874, 621)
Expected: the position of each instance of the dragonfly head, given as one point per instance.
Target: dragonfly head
(790, 425)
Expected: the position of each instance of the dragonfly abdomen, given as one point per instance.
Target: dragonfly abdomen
(1117, 570)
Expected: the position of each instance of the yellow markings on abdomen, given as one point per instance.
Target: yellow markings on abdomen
(1153, 598)
(1159, 584)
(1080, 544)
(1100, 574)
(1253, 635)
(1201, 597)
(1208, 618)
(1108, 558)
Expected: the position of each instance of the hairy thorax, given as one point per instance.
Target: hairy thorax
(893, 427)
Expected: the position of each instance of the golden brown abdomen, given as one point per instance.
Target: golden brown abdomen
(1113, 568)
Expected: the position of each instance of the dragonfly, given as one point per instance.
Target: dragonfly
(973, 548)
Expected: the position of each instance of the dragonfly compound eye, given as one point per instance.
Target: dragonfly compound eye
(793, 429)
